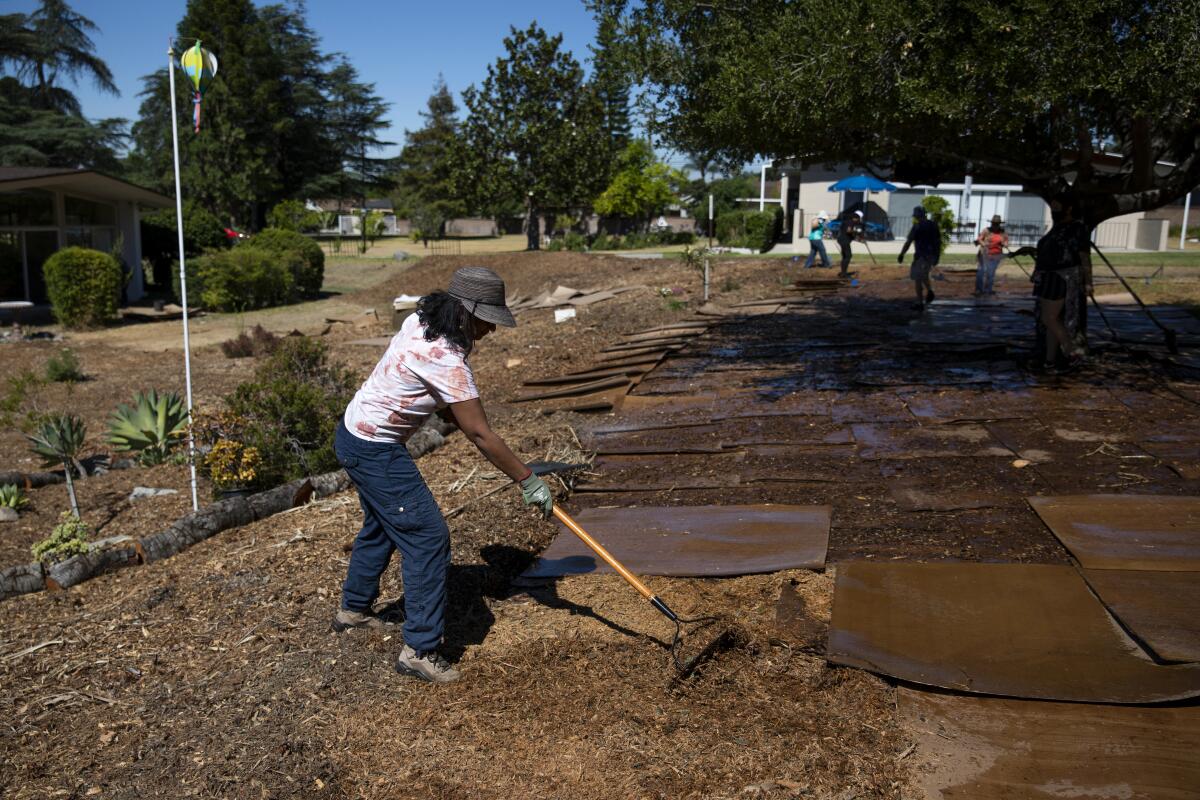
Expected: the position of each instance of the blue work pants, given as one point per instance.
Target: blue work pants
(399, 513)
(816, 246)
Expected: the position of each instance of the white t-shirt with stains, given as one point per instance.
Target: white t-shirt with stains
(414, 379)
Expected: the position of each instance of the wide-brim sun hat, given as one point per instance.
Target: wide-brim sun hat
(481, 292)
(996, 220)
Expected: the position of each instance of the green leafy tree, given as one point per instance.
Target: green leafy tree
(293, 215)
(1101, 96)
(533, 134)
(41, 122)
(939, 211)
(641, 186)
(425, 171)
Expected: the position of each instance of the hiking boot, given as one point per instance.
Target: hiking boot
(929, 296)
(428, 666)
(345, 619)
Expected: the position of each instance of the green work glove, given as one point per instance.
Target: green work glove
(535, 492)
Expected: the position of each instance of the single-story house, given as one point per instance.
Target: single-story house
(802, 190)
(43, 209)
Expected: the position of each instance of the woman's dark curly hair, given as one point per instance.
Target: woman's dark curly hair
(445, 317)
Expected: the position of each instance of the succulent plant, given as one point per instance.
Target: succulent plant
(11, 496)
(150, 426)
(59, 440)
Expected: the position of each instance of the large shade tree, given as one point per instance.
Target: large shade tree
(41, 120)
(1102, 96)
(533, 135)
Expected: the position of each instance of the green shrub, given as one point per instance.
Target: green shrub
(309, 272)
(150, 427)
(605, 242)
(69, 538)
(18, 403)
(63, 367)
(292, 405)
(84, 286)
(247, 278)
(160, 242)
(555, 245)
(757, 230)
(11, 496)
(575, 241)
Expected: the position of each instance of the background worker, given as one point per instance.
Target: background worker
(1062, 277)
(992, 244)
(927, 251)
(423, 371)
(850, 229)
(816, 241)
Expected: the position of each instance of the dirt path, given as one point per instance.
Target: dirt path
(213, 674)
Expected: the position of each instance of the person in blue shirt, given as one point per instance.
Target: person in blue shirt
(927, 251)
(816, 241)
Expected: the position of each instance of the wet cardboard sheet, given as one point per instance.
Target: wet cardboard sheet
(690, 541)
(1162, 609)
(942, 441)
(987, 748)
(1018, 630)
(1126, 531)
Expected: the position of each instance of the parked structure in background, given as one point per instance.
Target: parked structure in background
(802, 190)
(45, 209)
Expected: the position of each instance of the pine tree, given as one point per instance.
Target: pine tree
(426, 191)
(611, 83)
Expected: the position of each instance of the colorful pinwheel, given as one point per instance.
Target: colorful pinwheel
(200, 66)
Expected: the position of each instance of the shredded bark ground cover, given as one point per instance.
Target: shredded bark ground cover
(214, 673)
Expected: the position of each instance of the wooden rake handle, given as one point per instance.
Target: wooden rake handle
(620, 568)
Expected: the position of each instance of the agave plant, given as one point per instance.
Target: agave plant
(11, 496)
(59, 440)
(150, 426)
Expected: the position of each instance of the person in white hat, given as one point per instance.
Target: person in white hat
(424, 371)
(816, 241)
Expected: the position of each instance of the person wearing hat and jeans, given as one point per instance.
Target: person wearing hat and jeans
(424, 371)
(927, 238)
(816, 241)
(992, 243)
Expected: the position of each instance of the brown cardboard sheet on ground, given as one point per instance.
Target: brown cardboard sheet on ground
(691, 541)
(1162, 609)
(582, 377)
(572, 390)
(990, 748)
(1183, 458)
(942, 441)
(1126, 531)
(1018, 630)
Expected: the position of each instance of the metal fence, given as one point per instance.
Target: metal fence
(1020, 232)
(444, 247)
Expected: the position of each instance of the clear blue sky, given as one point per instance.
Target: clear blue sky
(399, 46)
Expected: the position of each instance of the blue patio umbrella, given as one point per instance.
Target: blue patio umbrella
(862, 183)
(865, 184)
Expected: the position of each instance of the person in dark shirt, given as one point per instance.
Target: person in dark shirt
(927, 251)
(851, 229)
(1061, 278)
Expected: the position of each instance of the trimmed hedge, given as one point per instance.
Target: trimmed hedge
(84, 286)
(757, 230)
(311, 273)
(244, 278)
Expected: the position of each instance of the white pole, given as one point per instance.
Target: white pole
(1187, 207)
(187, 349)
(706, 280)
(710, 220)
(762, 188)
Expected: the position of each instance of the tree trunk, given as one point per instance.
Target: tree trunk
(21, 579)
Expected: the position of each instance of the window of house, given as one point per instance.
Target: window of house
(27, 207)
(88, 212)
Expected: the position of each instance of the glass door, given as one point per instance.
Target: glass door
(39, 245)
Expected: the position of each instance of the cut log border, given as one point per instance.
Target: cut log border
(113, 553)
